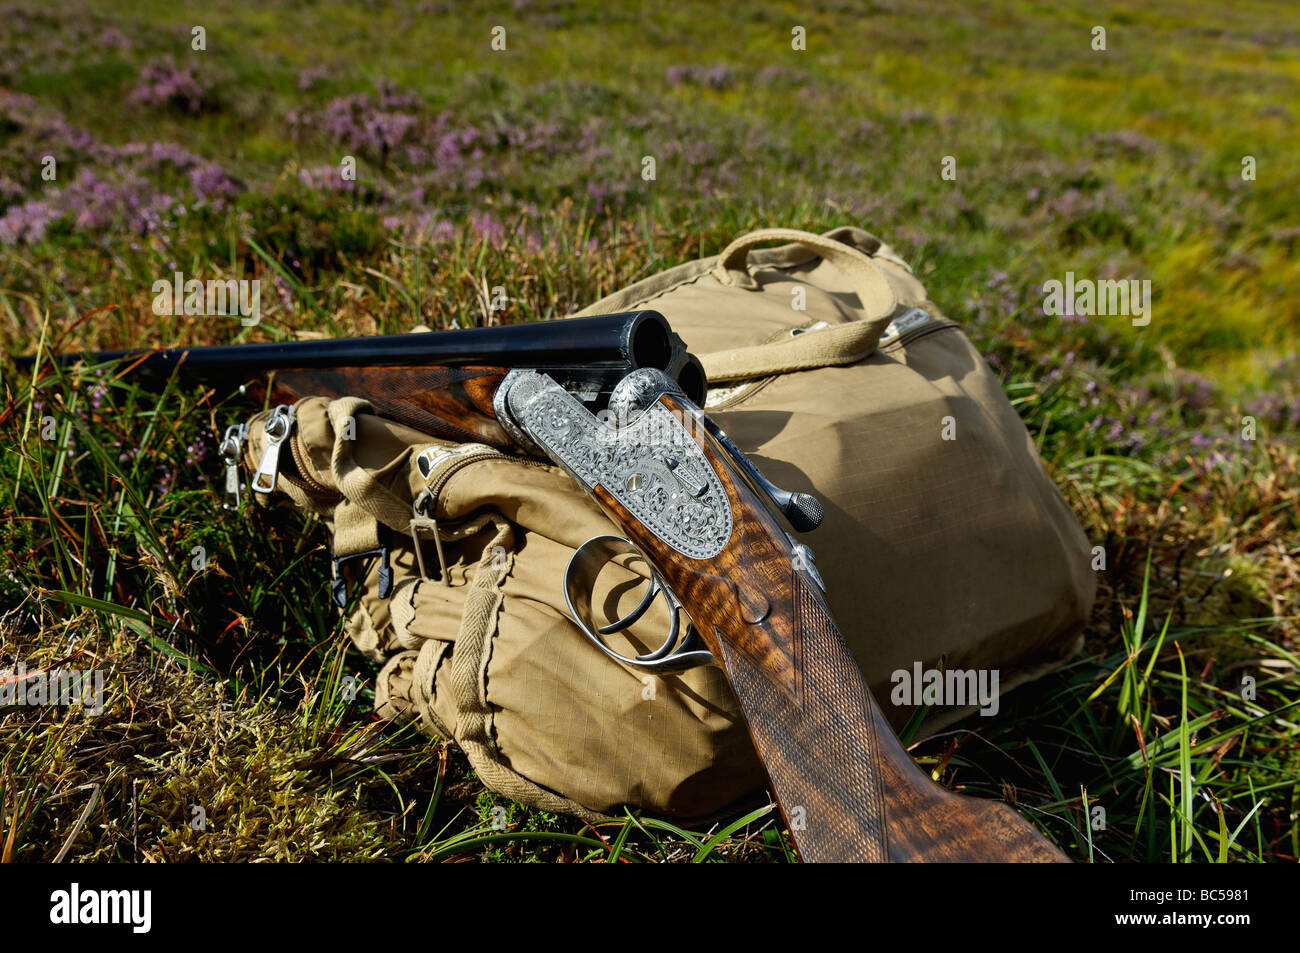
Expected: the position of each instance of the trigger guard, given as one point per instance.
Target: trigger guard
(618, 625)
(579, 584)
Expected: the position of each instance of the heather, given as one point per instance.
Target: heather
(380, 167)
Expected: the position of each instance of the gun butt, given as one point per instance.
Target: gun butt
(846, 786)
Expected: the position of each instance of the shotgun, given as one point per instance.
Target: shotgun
(615, 401)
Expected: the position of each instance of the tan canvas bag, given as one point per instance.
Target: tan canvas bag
(957, 553)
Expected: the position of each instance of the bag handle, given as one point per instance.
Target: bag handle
(873, 289)
(837, 344)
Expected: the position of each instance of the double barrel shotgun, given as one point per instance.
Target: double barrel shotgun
(616, 402)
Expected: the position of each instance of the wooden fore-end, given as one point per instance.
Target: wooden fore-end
(847, 788)
(449, 403)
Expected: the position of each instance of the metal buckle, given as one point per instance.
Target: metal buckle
(422, 518)
(339, 587)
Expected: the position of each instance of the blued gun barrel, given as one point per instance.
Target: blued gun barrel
(442, 382)
(599, 350)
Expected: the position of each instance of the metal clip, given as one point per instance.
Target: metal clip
(231, 446)
(339, 587)
(278, 427)
(422, 518)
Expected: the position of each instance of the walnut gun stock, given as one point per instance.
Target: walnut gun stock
(707, 527)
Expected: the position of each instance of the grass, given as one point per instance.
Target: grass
(523, 168)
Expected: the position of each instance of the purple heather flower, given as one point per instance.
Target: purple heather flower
(392, 96)
(326, 177)
(112, 38)
(311, 76)
(361, 125)
(284, 291)
(10, 191)
(779, 74)
(211, 184)
(1126, 140)
(443, 230)
(488, 227)
(1196, 390)
(718, 77)
(162, 84)
(155, 155)
(26, 223)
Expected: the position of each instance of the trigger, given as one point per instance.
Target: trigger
(674, 655)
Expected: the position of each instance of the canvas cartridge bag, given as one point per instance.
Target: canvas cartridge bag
(945, 544)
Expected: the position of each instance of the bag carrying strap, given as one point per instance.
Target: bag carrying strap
(469, 661)
(365, 498)
(836, 344)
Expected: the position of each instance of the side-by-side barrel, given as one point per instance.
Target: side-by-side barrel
(599, 349)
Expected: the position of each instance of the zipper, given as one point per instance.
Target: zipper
(439, 464)
(910, 336)
(278, 427)
(428, 460)
(309, 485)
(274, 465)
(232, 445)
(743, 391)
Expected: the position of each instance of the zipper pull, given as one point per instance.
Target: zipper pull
(278, 427)
(422, 518)
(231, 445)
